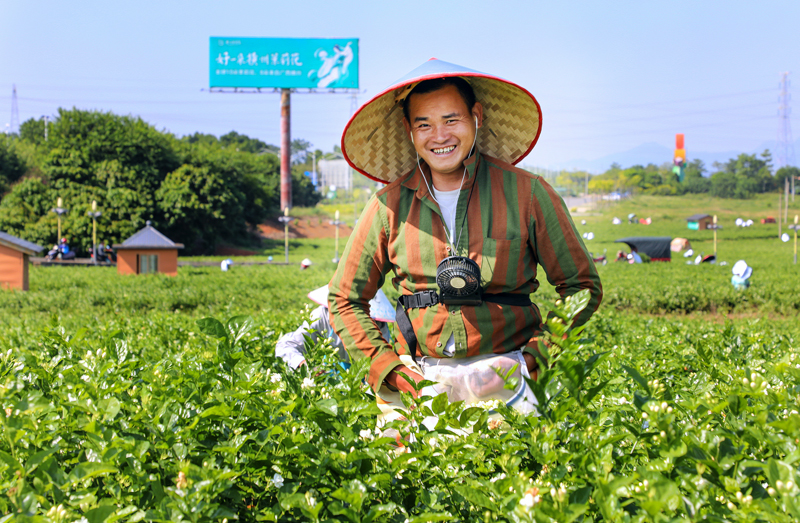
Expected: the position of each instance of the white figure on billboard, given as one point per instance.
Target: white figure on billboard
(334, 67)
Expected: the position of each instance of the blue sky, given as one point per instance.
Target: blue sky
(609, 75)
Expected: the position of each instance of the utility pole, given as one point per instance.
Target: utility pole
(14, 124)
(785, 142)
(314, 168)
(46, 120)
(786, 204)
(286, 153)
(336, 222)
(286, 219)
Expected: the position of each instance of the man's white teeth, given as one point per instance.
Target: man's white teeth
(444, 150)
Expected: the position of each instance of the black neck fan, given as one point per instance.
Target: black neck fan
(459, 281)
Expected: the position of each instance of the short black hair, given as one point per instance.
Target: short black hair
(429, 86)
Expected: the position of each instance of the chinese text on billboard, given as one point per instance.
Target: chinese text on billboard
(315, 63)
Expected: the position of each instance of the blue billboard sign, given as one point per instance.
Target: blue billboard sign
(314, 63)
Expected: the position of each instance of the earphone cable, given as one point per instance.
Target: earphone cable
(469, 197)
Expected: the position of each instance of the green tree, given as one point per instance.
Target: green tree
(790, 172)
(723, 184)
(32, 130)
(25, 212)
(299, 151)
(12, 166)
(199, 207)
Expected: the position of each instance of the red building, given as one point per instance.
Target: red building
(14, 253)
(148, 251)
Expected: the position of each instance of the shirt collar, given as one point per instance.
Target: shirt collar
(416, 183)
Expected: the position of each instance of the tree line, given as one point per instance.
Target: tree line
(199, 190)
(740, 177)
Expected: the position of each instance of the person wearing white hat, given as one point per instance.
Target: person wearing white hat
(291, 347)
(305, 264)
(459, 226)
(741, 275)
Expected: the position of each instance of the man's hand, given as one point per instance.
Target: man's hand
(532, 364)
(396, 381)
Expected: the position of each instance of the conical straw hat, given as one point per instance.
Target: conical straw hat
(375, 142)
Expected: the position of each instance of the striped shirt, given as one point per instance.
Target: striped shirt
(514, 221)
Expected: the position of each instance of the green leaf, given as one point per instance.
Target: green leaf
(212, 327)
(100, 514)
(37, 458)
(239, 326)
(591, 393)
(111, 406)
(89, 470)
(637, 378)
(328, 406)
(439, 403)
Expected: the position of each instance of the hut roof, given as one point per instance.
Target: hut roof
(697, 217)
(148, 238)
(19, 244)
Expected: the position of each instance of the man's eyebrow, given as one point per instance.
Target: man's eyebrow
(444, 117)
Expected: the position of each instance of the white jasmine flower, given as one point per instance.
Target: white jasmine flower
(307, 383)
(277, 480)
(526, 501)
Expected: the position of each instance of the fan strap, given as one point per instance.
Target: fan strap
(424, 299)
(419, 300)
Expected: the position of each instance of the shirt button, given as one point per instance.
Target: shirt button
(454, 312)
(439, 344)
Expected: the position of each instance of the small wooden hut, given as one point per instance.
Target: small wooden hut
(699, 222)
(14, 253)
(146, 252)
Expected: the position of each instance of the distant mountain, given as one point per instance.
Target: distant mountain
(658, 154)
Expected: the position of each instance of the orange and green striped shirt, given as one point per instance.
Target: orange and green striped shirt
(515, 221)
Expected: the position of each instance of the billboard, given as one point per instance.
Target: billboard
(314, 63)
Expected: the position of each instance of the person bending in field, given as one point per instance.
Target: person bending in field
(291, 347)
(462, 230)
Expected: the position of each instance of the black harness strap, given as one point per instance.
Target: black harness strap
(423, 299)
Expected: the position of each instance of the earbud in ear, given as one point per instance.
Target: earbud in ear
(412, 137)
(476, 123)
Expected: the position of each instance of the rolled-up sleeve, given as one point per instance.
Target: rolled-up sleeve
(358, 277)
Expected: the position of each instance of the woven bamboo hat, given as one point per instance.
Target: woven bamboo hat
(375, 142)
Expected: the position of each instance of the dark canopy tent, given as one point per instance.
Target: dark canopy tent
(657, 247)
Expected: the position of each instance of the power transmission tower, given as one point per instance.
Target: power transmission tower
(785, 145)
(14, 124)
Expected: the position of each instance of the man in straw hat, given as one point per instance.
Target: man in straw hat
(462, 230)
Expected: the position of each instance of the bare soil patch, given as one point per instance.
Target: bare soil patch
(311, 227)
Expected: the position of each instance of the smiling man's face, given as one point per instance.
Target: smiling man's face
(443, 128)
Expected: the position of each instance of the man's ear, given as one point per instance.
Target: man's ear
(407, 126)
(477, 112)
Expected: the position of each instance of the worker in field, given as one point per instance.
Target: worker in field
(461, 230)
(291, 347)
(741, 275)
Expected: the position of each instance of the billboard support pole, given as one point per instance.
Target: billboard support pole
(286, 142)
